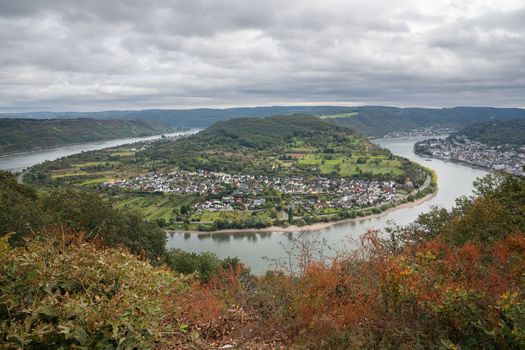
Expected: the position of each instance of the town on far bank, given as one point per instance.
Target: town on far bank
(423, 131)
(507, 158)
(237, 201)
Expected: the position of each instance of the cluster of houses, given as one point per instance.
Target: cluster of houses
(249, 192)
(427, 131)
(510, 159)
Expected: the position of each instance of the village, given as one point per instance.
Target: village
(221, 191)
(424, 131)
(510, 159)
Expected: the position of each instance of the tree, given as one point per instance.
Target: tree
(184, 209)
(290, 215)
(19, 210)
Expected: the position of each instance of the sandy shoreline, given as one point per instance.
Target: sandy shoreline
(313, 227)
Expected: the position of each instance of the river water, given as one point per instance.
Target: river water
(20, 161)
(258, 250)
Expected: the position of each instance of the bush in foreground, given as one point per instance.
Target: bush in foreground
(59, 291)
(453, 280)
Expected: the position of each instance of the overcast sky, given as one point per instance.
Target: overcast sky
(138, 54)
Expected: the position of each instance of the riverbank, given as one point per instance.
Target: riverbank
(455, 161)
(16, 162)
(314, 227)
(91, 142)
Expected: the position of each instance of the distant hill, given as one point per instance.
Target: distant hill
(378, 121)
(25, 134)
(497, 132)
(373, 121)
(186, 118)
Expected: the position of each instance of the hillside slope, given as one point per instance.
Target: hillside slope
(496, 133)
(262, 146)
(378, 121)
(297, 144)
(25, 134)
(370, 120)
(265, 132)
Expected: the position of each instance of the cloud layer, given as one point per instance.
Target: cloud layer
(93, 55)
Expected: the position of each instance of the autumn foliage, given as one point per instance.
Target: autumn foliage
(419, 288)
(452, 280)
(428, 296)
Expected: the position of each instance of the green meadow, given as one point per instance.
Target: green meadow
(353, 165)
(156, 206)
(340, 115)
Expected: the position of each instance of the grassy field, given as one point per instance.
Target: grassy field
(341, 115)
(154, 206)
(353, 165)
(94, 164)
(211, 216)
(123, 154)
(92, 173)
(97, 181)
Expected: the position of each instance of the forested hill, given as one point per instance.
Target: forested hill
(378, 121)
(259, 145)
(370, 120)
(496, 133)
(283, 145)
(25, 134)
(267, 132)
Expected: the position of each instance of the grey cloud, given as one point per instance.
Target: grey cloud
(96, 54)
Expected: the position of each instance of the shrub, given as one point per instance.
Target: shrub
(87, 212)
(18, 212)
(205, 264)
(60, 291)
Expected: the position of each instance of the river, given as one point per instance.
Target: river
(23, 160)
(258, 249)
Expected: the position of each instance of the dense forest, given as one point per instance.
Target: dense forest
(25, 134)
(79, 274)
(370, 120)
(497, 132)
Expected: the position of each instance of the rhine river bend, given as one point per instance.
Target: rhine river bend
(258, 249)
(454, 180)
